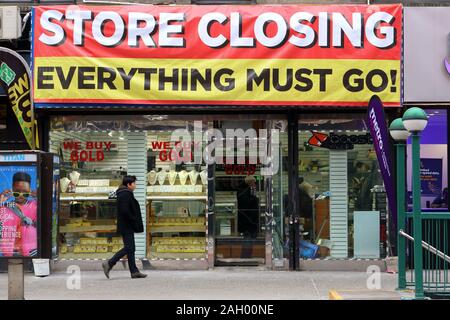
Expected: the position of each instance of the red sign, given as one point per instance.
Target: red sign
(248, 54)
(178, 151)
(89, 151)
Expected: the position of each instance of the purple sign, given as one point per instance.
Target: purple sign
(380, 135)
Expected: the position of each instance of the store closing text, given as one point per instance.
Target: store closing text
(210, 79)
(302, 30)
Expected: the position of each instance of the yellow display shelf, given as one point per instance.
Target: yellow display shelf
(179, 228)
(178, 241)
(178, 249)
(176, 196)
(106, 229)
(170, 255)
(84, 256)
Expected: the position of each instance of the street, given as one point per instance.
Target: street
(220, 283)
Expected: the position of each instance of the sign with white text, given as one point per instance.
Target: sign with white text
(336, 55)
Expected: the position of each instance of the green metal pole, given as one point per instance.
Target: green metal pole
(401, 215)
(417, 219)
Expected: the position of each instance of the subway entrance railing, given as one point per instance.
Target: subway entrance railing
(423, 239)
(435, 254)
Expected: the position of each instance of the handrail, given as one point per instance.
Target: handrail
(427, 246)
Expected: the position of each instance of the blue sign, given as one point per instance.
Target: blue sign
(431, 177)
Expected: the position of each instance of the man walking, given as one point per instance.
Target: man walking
(129, 221)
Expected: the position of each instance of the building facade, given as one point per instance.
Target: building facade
(325, 199)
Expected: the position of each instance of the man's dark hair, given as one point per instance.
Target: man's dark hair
(21, 176)
(128, 180)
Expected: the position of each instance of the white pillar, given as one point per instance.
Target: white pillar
(339, 203)
(137, 166)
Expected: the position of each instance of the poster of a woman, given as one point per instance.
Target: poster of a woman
(18, 211)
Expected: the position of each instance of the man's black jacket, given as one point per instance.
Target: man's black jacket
(129, 219)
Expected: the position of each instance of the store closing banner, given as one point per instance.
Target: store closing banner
(249, 55)
(380, 136)
(338, 141)
(15, 81)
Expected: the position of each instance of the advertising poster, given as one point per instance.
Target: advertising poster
(431, 177)
(18, 210)
(328, 55)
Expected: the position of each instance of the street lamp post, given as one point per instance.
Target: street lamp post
(415, 120)
(400, 135)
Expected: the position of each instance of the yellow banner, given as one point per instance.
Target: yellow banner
(261, 81)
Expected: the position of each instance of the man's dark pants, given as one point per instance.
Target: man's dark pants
(127, 250)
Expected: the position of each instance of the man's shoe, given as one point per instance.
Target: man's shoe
(106, 268)
(138, 275)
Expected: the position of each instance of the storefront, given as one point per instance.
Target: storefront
(427, 79)
(253, 161)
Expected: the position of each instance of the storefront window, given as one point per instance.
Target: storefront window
(314, 186)
(366, 194)
(240, 193)
(341, 191)
(97, 152)
(176, 193)
(92, 165)
(168, 155)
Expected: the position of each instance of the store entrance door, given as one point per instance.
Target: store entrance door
(239, 220)
(240, 206)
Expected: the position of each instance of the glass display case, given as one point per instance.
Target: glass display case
(176, 227)
(176, 203)
(92, 167)
(87, 218)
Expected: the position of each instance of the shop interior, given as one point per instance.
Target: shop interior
(87, 213)
(94, 158)
(176, 198)
(95, 155)
(360, 228)
(240, 200)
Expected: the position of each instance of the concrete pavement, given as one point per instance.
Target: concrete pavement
(220, 283)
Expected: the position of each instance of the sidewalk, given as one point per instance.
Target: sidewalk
(220, 283)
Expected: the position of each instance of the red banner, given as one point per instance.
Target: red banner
(318, 55)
